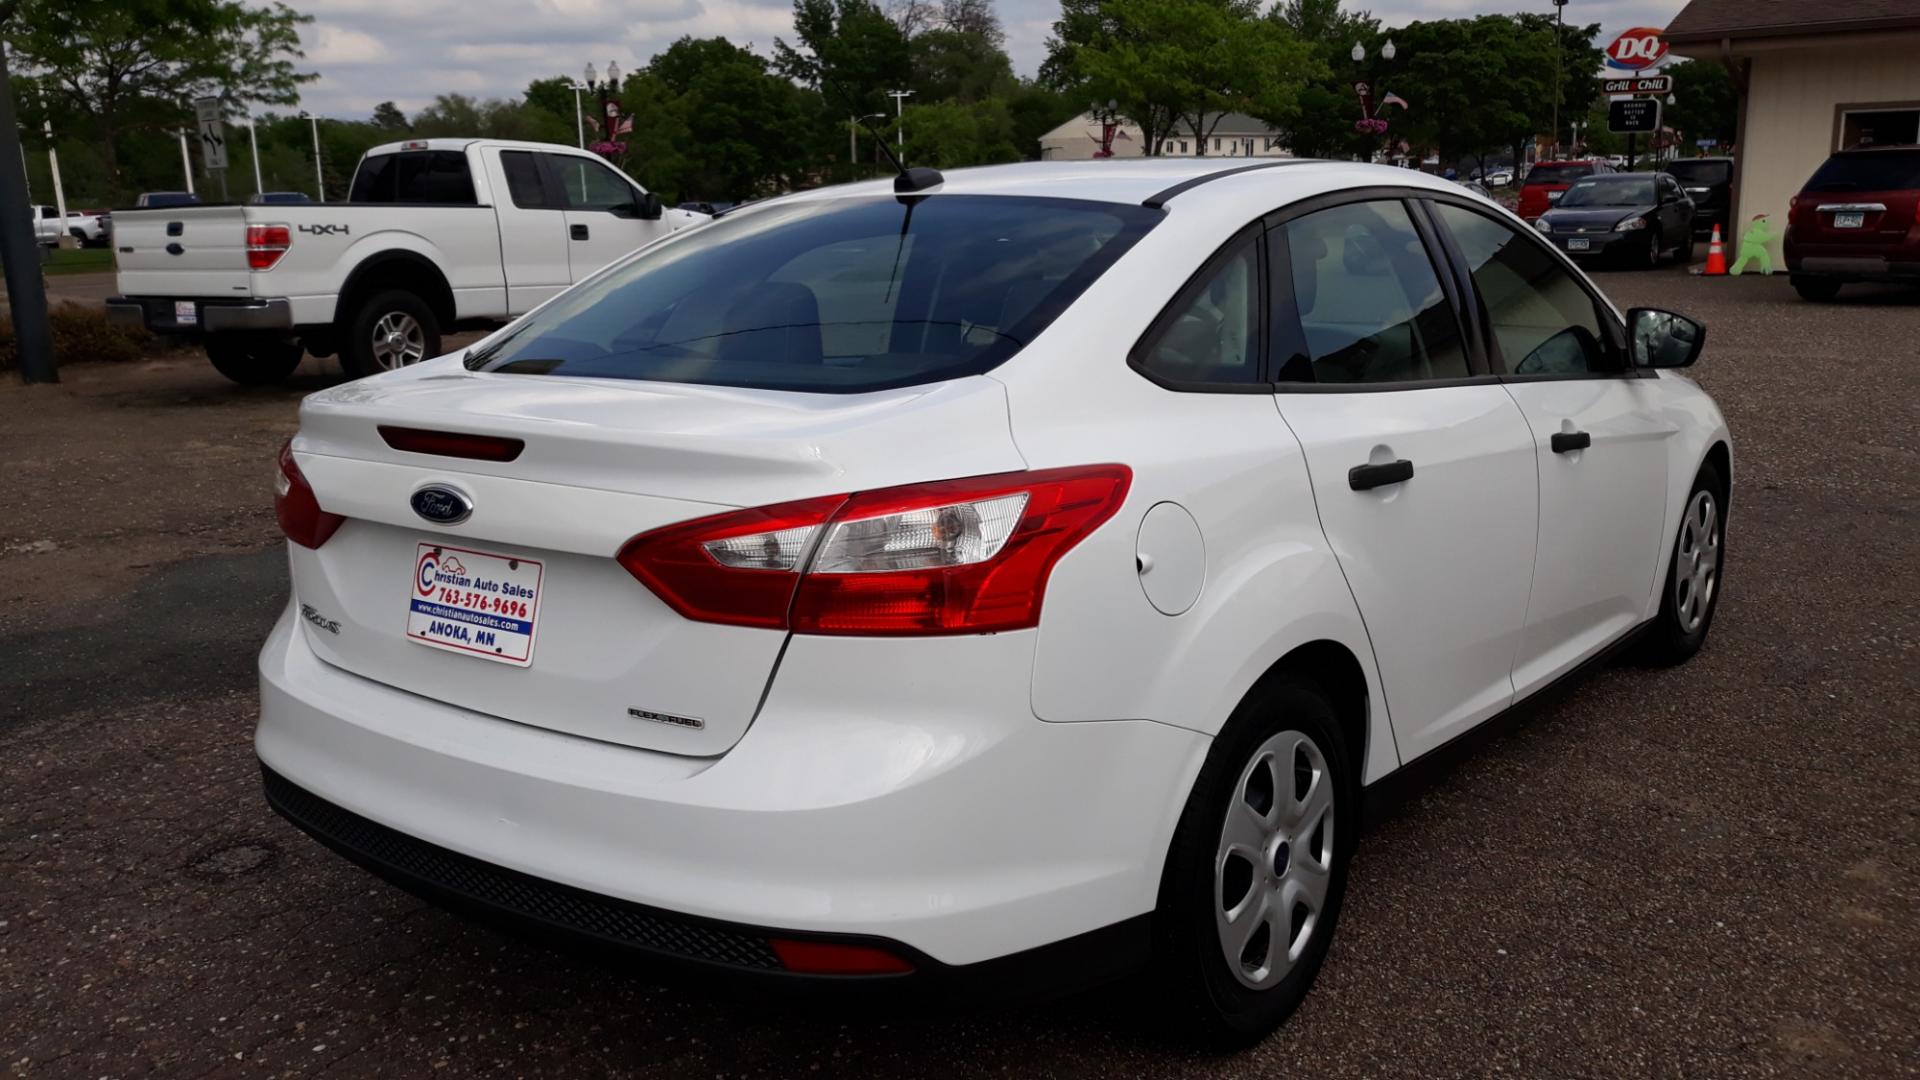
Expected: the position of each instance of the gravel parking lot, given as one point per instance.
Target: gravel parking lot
(1707, 871)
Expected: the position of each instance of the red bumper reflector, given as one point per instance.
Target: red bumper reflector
(452, 443)
(832, 958)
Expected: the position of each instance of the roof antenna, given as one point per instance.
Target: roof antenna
(909, 180)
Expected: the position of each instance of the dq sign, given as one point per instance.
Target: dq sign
(1636, 49)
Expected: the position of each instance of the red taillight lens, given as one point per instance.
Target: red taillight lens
(265, 245)
(301, 518)
(452, 443)
(832, 958)
(950, 557)
(737, 568)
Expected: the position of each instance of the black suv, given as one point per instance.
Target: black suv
(1709, 183)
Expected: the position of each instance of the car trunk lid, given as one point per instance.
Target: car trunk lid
(1860, 199)
(603, 461)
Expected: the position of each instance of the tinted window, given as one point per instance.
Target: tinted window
(438, 176)
(834, 295)
(373, 181)
(1369, 303)
(1610, 191)
(1702, 173)
(1211, 334)
(1877, 170)
(1558, 174)
(523, 179)
(588, 185)
(1542, 321)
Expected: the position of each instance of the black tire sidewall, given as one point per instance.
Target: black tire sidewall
(1223, 1012)
(253, 360)
(1667, 642)
(356, 349)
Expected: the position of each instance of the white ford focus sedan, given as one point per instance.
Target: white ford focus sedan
(1018, 574)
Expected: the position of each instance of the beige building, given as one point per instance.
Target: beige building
(1814, 76)
(1236, 135)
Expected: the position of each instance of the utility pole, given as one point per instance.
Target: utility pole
(253, 140)
(319, 176)
(186, 159)
(53, 163)
(1559, 66)
(19, 246)
(900, 128)
(579, 121)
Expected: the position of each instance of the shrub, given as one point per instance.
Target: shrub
(83, 333)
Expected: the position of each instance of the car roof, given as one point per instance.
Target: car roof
(1140, 181)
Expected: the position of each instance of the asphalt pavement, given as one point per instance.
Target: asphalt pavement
(1709, 871)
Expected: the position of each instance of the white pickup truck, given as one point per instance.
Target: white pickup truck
(434, 233)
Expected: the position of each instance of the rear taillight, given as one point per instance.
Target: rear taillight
(265, 245)
(949, 557)
(452, 443)
(294, 504)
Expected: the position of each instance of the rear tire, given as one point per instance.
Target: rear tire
(389, 330)
(1250, 897)
(1650, 258)
(1818, 290)
(253, 359)
(1691, 587)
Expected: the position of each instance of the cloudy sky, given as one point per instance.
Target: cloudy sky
(407, 51)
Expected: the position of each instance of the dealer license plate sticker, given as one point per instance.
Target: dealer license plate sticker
(185, 314)
(1578, 245)
(474, 603)
(1849, 221)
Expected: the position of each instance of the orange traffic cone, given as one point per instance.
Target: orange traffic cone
(1716, 256)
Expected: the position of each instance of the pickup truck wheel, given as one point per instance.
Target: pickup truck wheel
(253, 359)
(391, 329)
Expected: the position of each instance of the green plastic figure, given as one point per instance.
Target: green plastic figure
(1753, 245)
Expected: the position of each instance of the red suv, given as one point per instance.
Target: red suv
(1856, 221)
(1548, 179)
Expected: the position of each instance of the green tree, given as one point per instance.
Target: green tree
(1705, 105)
(135, 67)
(952, 133)
(1322, 124)
(554, 96)
(958, 65)
(847, 48)
(388, 117)
(749, 123)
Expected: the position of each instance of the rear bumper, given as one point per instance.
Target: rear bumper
(1854, 268)
(1598, 244)
(158, 313)
(876, 798)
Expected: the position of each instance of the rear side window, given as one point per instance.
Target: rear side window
(1558, 174)
(830, 295)
(416, 177)
(1211, 333)
(1369, 302)
(524, 184)
(1876, 170)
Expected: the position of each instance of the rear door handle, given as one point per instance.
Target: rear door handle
(1367, 477)
(1565, 442)
(578, 232)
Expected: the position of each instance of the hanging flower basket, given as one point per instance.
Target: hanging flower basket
(608, 149)
(1371, 126)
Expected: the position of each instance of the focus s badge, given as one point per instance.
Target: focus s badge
(442, 505)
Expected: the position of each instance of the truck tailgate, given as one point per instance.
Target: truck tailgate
(182, 251)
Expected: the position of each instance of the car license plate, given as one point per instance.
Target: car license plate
(473, 602)
(1578, 245)
(185, 314)
(1849, 221)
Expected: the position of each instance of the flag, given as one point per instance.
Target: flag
(624, 127)
(1394, 99)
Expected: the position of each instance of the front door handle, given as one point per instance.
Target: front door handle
(578, 232)
(1367, 477)
(1565, 442)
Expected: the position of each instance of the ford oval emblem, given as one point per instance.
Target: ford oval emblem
(442, 505)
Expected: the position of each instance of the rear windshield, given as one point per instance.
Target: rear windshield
(1611, 191)
(1699, 173)
(421, 177)
(1558, 174)
(835, 296)
(1876, 170)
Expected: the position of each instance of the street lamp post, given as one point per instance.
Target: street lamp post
(1370, 121)
(900, 128)
(1559, 68)
(186, 160)
(579, 121)
(319, 173)
(1109, 120)
(253, 141)
(609, 105)
(853, 141)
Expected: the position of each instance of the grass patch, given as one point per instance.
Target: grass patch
(82, 333)
(79, 261)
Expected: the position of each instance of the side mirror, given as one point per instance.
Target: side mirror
(650, 206)
(1662, 339)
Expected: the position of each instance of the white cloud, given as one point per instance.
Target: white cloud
(407, 51)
